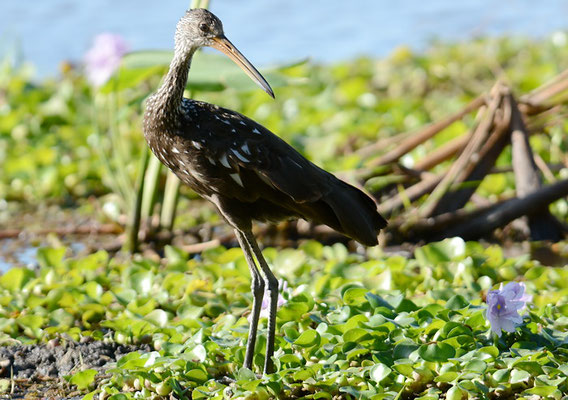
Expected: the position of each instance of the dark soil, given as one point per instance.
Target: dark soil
(36, 370)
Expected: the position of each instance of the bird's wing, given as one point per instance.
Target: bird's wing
(244, 147)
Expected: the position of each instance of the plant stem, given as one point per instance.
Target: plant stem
(131, 243)
(169, 203)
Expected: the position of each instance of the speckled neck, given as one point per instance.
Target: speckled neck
(170, 95)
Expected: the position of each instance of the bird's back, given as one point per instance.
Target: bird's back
(252, 174)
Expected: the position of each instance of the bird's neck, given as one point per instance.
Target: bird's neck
(170, 95)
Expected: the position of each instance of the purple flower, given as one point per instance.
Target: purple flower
(264, 308)
(503, 306)
(103, 58)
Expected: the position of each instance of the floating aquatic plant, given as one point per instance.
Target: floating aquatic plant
(503, 306)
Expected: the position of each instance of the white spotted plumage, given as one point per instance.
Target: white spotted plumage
(224, 160)
(237, 178)
(245, 148)
(240, 156)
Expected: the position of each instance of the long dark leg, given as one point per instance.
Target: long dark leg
(272, 284)
(257, 288)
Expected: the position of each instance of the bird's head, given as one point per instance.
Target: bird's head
(199, 28)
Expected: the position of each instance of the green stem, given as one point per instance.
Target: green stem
(199, 4)
(152, 178)
(170, 201)
(131, 244)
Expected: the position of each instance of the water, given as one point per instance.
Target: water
(270, 32)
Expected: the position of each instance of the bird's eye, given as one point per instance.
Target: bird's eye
(204, 27)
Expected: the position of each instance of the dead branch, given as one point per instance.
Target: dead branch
(472, 225)
(200, 247)
(443, 153)
(545, 92)
(545, 168)
(478, 166)
(429, 131)
(381, 144)
(469, 154)
(414, 192)
(75, 230)
(542, 225)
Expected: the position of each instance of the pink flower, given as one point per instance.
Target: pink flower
(503, 306)
(103, 58)
(264, 308)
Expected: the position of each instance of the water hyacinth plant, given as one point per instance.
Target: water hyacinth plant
(503, 306)
(282, 288)
(103, 58)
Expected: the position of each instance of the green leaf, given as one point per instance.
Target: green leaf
(439, 252)
(457, 302)
(157, 317)
(198, 353)
(476, 320)
(355, 296)
(304, 374)
(379, 372)
(406, 305)
(532, 367)
(377, 301)
(519, 376)
(543, 391)
(83, 379)
(477, 366)
(141, 282)
(454, 393)
(322, 395)
(502, 375)
(308, 338)
(50, 257)
(90, 395)
(290, 359)
(449, 376)
(403, 349)
(16, 278)
(131, 361)
(354, 335)
(30, 321)
(491, 350)
(196, 375)
(436, 352)
(292, 311)
(404, 369)
(118, 396)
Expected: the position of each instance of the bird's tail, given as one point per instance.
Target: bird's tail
(356, 213)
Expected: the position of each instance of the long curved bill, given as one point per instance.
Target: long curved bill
(223, 44)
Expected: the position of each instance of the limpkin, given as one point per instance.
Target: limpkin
(244, 169)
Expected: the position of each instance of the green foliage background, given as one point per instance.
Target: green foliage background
(55, 135)
(368, 325)
(372, 327)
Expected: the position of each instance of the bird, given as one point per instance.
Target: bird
(245, 170)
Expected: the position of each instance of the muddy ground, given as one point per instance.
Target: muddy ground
(36, 371)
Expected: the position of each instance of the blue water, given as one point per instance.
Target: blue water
(268, 32)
